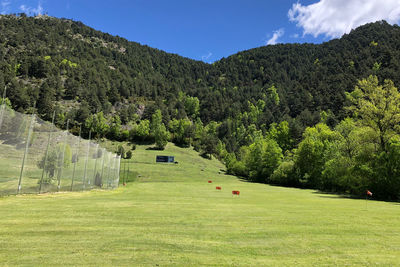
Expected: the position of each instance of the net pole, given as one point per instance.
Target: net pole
(124, 173)
(127, 173)
(102, 165)
(47, 153)
(118, 170)
(118, 163)
(76, 157)
(62, 158)
(3, 106)
(113, 170)
(109, 168)
(95, 164)
(25, 153)
(86, 162)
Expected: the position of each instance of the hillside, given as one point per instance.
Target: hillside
(80, 64)
(315, 77)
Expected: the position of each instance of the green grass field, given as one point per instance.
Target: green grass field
(171, 216)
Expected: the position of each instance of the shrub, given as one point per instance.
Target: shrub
(285, 174)
(121, 151)
(128, 155)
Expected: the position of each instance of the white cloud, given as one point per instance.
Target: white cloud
(5, 7)
(206, 57)
(274, 39)
(333, 18)
(32, 10)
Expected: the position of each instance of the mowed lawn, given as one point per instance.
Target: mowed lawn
(171, 215)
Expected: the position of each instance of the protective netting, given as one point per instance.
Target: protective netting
(37, 157)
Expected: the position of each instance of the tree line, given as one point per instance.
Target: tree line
(362, 152)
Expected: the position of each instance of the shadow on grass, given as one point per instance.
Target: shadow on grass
(128, 176)
(322, 194)
(335, 195)
(143, 143)
(152, 163)
(155, 148)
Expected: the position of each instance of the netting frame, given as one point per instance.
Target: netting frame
(37, 157)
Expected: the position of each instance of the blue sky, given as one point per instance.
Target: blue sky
(211, 29)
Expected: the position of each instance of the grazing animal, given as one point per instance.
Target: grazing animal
(209, 181)
(236, 192)
(218, 188)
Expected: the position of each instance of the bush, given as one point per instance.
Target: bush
(124, 135)
(128, 155)
(263, 158)
(239, 169)
(285, 174)
(98, 154)
(121, 151)
(58, 157)
(98, 181)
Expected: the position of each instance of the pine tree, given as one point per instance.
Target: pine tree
(45, 103)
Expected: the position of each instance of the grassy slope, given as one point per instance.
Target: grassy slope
(172, 216)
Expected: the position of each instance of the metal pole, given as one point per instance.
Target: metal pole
(127, 174)
(95, 164)
(25, 153)
(62, 158)
(76, 157)
(109, 167)
(102, 165)
(113, 169)
(118, 169)
(47, 153)
(87, 158)
(124, 173)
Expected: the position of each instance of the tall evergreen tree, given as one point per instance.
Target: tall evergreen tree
(45, 103)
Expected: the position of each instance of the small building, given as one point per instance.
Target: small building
(165, 159)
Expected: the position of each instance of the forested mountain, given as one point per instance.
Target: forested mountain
(312, 76)
(80, 63)
(253, 102)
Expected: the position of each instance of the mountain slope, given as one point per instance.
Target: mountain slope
(46, 59)
(79, 62)
(312, 76)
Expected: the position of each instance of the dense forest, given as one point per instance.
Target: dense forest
(267, 113)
